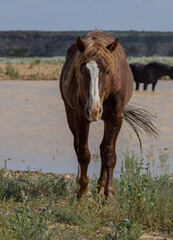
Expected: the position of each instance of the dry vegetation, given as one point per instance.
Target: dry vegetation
(29, 72)
(50, 68)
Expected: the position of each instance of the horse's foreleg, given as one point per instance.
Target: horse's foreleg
(137, 86)
(80, 135)
(153, 86)
(83, 155)
(102, 179)
(77, 178)
(110, 161)
(109, 156)
(83, 160)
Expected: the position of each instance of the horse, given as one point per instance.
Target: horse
(150, 73)
(96, 82)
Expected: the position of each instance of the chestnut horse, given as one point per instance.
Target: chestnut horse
(150, 73)
(96, 83)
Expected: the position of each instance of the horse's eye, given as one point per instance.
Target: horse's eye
(82, 67)
(107, 72)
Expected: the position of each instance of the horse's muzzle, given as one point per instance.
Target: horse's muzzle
(93, 114)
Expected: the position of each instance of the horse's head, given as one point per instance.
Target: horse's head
(171, 73)
(95, 81)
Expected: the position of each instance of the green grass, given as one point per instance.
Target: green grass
(45, 207)
(35, 60)
(60, 60)
(11, 71)
(146, 60)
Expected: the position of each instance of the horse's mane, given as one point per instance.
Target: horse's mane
(95, 49)
(160, 65)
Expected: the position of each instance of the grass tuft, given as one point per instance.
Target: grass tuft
(11, 72)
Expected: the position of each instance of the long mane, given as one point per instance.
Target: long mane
(95, 49)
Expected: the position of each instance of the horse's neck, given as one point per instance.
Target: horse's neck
(160, 72)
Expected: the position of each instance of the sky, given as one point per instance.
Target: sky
(77, 15)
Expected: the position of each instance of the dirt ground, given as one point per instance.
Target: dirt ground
(145, 236)
(153, 236)
(30, 72)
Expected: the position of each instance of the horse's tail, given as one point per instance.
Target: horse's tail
(141, 119)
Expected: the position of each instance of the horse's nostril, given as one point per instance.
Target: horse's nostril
(100, 110)
(87, 112)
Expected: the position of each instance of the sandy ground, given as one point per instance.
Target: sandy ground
(29, 72)
(153, 236)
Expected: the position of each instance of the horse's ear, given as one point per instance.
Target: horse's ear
(113, 45)
(80, 44)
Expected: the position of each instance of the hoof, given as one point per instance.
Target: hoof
(101, 191)
(109, 196)
(80, 193)
(89, 196)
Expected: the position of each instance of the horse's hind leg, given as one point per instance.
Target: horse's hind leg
(145, 86)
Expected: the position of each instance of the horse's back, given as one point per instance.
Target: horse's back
(137, 68)
(64, 72)
(140, 72)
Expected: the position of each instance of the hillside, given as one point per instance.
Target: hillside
(48, 44)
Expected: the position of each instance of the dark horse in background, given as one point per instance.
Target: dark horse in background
(150, 73)
(96, 83)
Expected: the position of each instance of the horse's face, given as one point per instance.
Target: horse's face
(171, 74)
(95, 84)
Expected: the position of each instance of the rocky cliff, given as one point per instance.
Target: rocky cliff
(48, 44)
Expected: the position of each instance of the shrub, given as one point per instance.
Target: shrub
(34, 62)
(11, 72)
(25, 223)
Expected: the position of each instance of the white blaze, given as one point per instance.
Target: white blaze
(94, 98)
